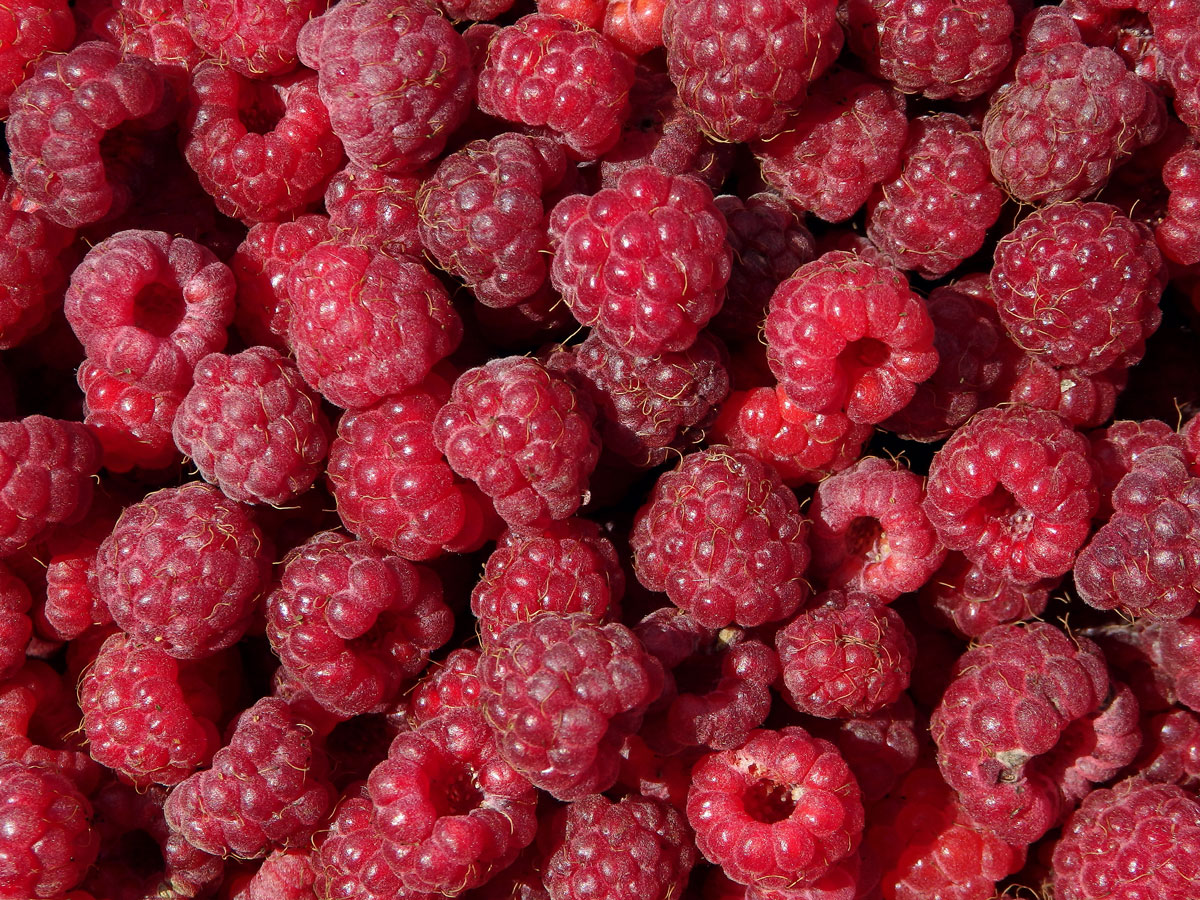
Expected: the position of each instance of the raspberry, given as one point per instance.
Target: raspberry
(369, 208)
(1084, 401)
(156, 30)
(1172, 649)
(31, 274)
(262, 149)
(266, 788)
(396, 80)
(869, 532)
(549, 71)
(524, 435)
(845, 140)
(284, 875)
(1062, 92)
(147, 306)
(351, 623)
(1173, 30)
(724, 538)
(961, 598)
(481, 215)
(364, 325)
(644, 263)
(779, 812)
(1178, 234)
(1117, 449)
(72, 607)
(1078, 284)
(48, 840)
(144, 716)
(132, 422)
(184, 569)
(349, 861)
(742, 71)
(16, 628)
(846, 655)
(847, 334)
(66, 124)
(451, 685)
(1112, 845)
(256, 39)
(635, 25)
(879, 748)
(561, 693)
(40, 723)
(1013, 490)
(936, 212)
(1190, 434)
(568, 567)
(30, 30)
(638, 848)
(253, 427)
(1171, 751)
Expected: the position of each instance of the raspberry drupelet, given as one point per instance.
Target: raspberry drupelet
(644, 263)
(256, 39)
(846, 334)
(349, 860)
(1178, 234)
(31, 30)
(961, 598)
(1172, 650)
(31, 274)
(725, 539)
(351, 623)
(1171, 751)
(284, 875)
(451, 685)
(369, 208)
(132, 422)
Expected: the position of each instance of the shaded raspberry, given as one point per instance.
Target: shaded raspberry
(349, 861)
(482, 212)
(31, 30)
(16, 628)
(724, 538)
(451, 685)
(743, 70)
(1117, 449)
(284, 875)
(132, 422)
(1171, 750)
(1172, 649)
(369, 208)
(1178, 234)
(847, 334)
(869, 532)
(538, 321)
(879, 748)
(1062, 90)
(253, 427)
(961, 598)
(561, 693)
(845, 140)
(257, 39)
(31, 274)
(1173, 30)
(1084, 401)
(778, 812)
(184, 569)
(66, 125)
(72, 605)
(644, 263)
(364, 325)
(39, 725)
(351, 623)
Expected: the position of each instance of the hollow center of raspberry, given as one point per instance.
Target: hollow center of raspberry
(768, 801)
(867, 353)
(862, 537)
(1001, 506)
(459, 795)
(158, 308)
(260, 107)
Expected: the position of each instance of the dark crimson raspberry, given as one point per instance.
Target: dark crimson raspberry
(351, 623)
(1078, 284)
(369, 208)
(477, 11)
(31, 274)
(1062, 90)
(1084, 401)
(263, 150)
(1172, 651)
(31, 30)
(253, 427)
(1014, 491)
(450, 685)
(482, 215)
(39, 724)
(365, 325)
(158, 31)
(742, 70)
(724, 538)
(397, 80)
(961, 598)
(778, 812)
(146, 715)
(147, 306)
(879, 748)
(132, 422)
(257, 39)
(845, 334)
(644, 263)
(524, 435)
(1171, 751)
(936, 211)
(1178, 234)
(350, 862)
(1113, 845)
(1174, 33)
(548, 71)
(1117, 449)
(16, 628)
(284, 875)
(561, 693)
(184, 569)
(845, 140)
(266, 788)
(869, 532)
(1190, 434)
(66, 126)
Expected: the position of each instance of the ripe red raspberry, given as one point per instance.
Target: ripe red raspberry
(351, 623)
(549, 71)
(146, 306)
(72, 606)
(67, 122)
(1078, 284)
(451, 685)
(1062, 92)
(1171, 751)
(16, 628)
(132, 423)
(644, 263)
(1178, 234)
(879, 748)
(524, 435)
(369, 208)
(724, 538)
(1112, 846)
(31, 274)
(1095, 748)
(158, 31)
(561, 693)
(845, 140)
(1174, 33)
(396, 80)
(364, 325)
(1014, 491)
(350, 862)
(961, 598)
(847, 334)
(284, 875)
(253, 427)
(1084, 401)
(144, 716)
(184, 569)
(777, 813)
(31, 30)
(743, 70)
(257, 39)
(1172, 651)
(482, 215)
(263, 150)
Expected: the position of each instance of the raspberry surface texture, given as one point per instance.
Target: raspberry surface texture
(370, 208)
(962, 599)
(258, 40)
(31, 30)
(132, 422)
(30, 269)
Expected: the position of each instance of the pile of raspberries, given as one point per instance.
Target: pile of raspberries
(599, 450)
